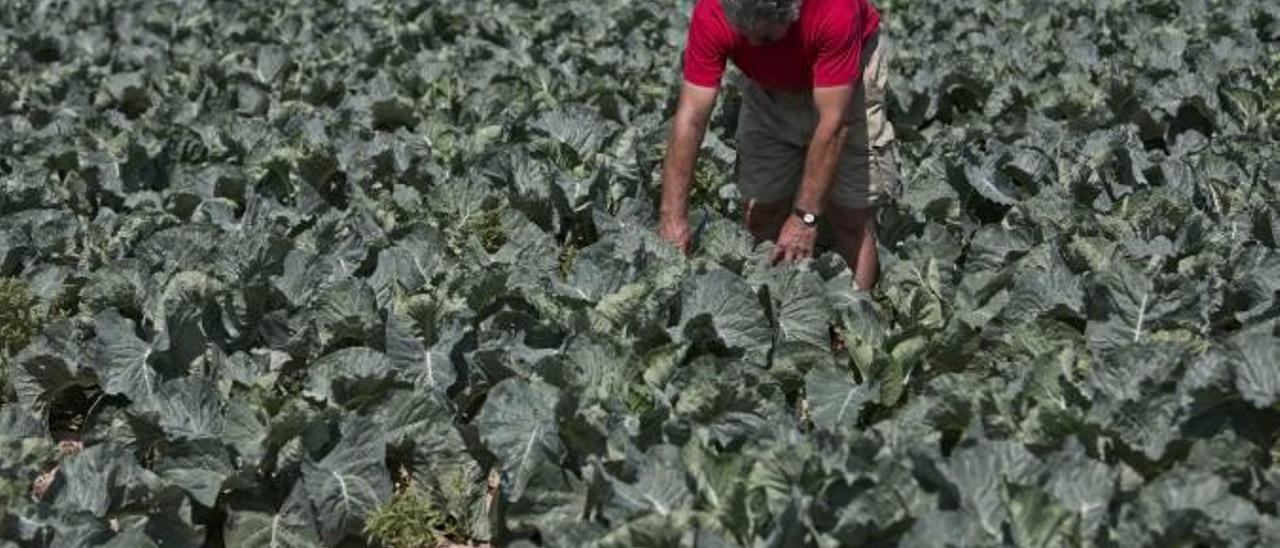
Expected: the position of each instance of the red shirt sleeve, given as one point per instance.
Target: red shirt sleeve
(705, 50)
(838, 51)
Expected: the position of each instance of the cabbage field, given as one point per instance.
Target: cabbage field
(385, 273)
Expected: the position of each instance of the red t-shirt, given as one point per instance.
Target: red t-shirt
(822, 49)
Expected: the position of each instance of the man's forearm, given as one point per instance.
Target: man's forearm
(820, 167)
(677, 168)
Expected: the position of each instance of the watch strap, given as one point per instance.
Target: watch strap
(809, 219)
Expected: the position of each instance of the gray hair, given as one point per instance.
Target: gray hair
(752, 14)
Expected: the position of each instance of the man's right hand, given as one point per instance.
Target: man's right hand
(693, 110)
(675, 230)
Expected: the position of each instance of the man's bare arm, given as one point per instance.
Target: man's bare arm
(796, 240)
(693, 109)
(828, 140)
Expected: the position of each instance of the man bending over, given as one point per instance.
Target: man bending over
(813, 139)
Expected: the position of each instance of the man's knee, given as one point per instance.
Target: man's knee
(849, 220)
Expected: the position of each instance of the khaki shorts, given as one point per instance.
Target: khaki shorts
(774, 129)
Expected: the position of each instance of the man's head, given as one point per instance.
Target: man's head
(761, 21)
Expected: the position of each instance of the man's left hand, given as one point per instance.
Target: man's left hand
(795, 242)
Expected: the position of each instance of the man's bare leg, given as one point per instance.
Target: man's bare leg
(855, 239)
(765, 220)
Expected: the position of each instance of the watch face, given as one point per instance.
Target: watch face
(809, 218)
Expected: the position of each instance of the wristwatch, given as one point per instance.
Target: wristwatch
(809, 219)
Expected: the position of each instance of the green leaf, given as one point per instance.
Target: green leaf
(596, 368)
(994, 246)
(1256, 281)
(980, 473)
(187, 408)
(423, 359)
(100, 480)
(52, 363)
(579, 127)
(1129, 307)
(1254, 359)
(17, 422)
(720, 485)
(596, 272)
(123, 360)
(661, 487)
(518, 424)
(349, 482)
(199, 467)
(897, 370)
(349, 377)
(532, 255)
(421, 426)
(347, 310)
(130, 539)
(1083, 486)
(985, 176)
(947, 528)
(1189, 505)
(1036, 293)
(183, 307)
(730, 309)
(835, 400)
(1130, 399)
(1038, 519)
(409, 266)
(801, 311)
(272, 60)
(292, 525)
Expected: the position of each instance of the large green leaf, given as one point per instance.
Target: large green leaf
(349, 377)
(1130, 307)
(721, 305)
(422, 352)
(349, 482)
(1130, 397)
(123, 361)
(531, 254)
(1186, 506)
(1254, 359)
(597, 271)
(595, 368)
(1038, 519)
(1038, 292)
(983, 173)
(578, 127)
(947, 528)
(835, 401)
(182, 308)
(346, 311)
(518, 424)
(1084, 487)
(51, 363)
(1257, 282)
(409, 266)
(800, 308)
(292, 525)
(979, 475)
(101, 480)
(199, 467)
(187, 408)
(661, 487)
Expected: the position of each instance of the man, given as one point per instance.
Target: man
(813, 139)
